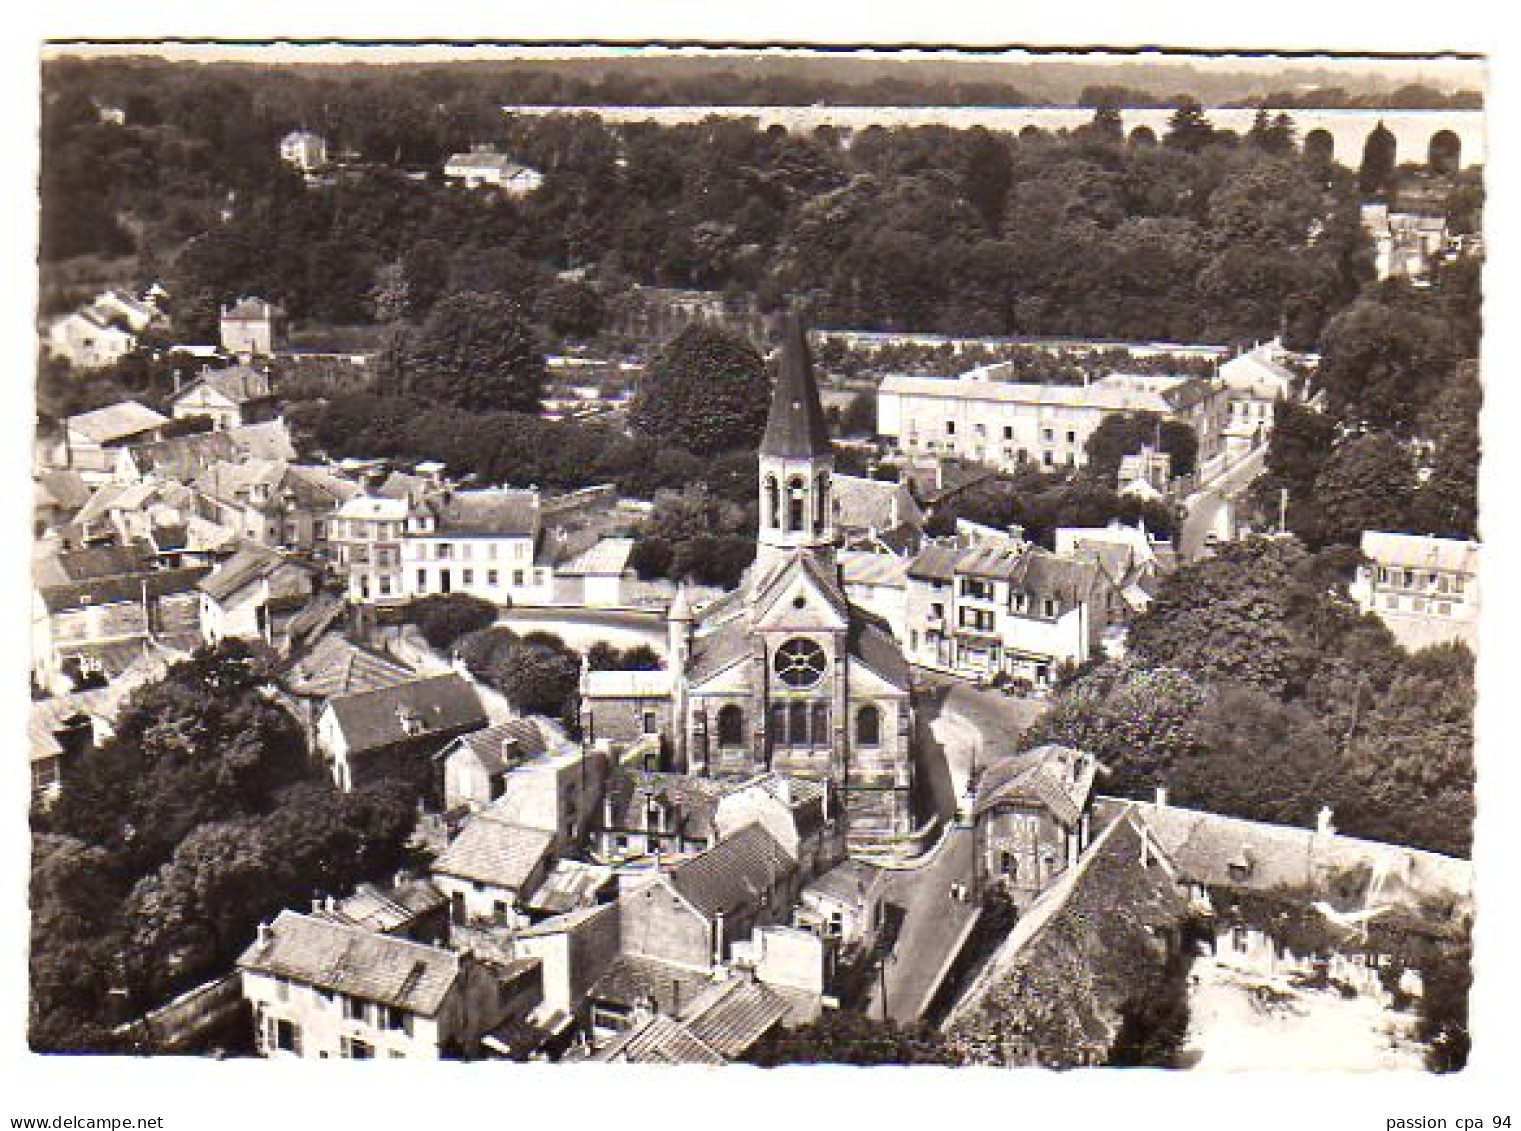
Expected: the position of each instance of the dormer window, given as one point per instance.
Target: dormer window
(411, 721)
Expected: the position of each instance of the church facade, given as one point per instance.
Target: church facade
(783, 673)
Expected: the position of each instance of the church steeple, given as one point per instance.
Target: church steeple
(796, 458)
(795, 426)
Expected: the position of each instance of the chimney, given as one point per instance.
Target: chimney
(1161, 797)
(266, 934)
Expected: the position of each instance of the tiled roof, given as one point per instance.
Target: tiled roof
(865, 503)
(251, 308)
(267, 440)
(719, 650)
(570, 886)
(862, 567)
(570, 922)
(795, 424)
(733, 1015)
(47, 717)
(62, 488)
(871, 642)
(1056, 777)
(115, 422)
(125, 587)
(250, 564)
(442, 704)
(658, 1040)
(523, 736)
(627, 684)
(851, 881)
(630, 979)
(376, 909)
(935, 563)
(92, 563)
(352, 960)
(735, 873)
(184, 457)
(239, 384)
(334, 666)
(1421, 551)
(609, 557)
(690, 802)
(495, 513)
(490, 851)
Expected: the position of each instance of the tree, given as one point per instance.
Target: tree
(536, 673)
(986, 177)
(603, 656)
(572, 309)
(1229, 617)
(1122, 434)
(693, 535)
(1380, 364)
(706, 391)
(1447, 503)
(445, 617)
(1188, 129)
(839, 1037)
(1367, 484)
(476, 351)
(1376, 172)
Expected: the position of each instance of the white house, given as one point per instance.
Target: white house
(482, 543)
(485, 166)
(1254, 382)
(88, 340)
(92, 441)
(322, 990)
(230, 397)
(1425, 589)
(252, 327)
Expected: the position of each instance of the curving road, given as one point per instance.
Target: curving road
(1211, 510)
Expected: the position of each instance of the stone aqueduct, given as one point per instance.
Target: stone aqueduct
(1420, 136)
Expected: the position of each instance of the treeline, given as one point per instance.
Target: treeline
(1208, 236)
(1254, 688)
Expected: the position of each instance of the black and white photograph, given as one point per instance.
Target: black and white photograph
(681, 554)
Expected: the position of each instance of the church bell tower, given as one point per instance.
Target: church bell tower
(796, 460)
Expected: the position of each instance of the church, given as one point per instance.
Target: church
(783, 673)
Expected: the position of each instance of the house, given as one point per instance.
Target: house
(478, 542)
(877, 581)
(332, 666)
(575, 949)
(572, 885)
(305, 150)
(274, 502)
(411, 908)
(650, 813)
(57, 496)
(1004, 607)
(556, 793)
(161, 517)
(477, 765)
(846, 905)
(1425, 589)
(365, 535)
(1129, 557)
(688, 916)
(875, 514)
(229, 398)
(102, 332)
(255, 595)
(96, 626)
(93, 440)
(1149, 469)
(252, 327)
(595, 577)
(1406, 245)
(794, 810)
(395, 730)
(720, 1025)
(484, 166)
(1031, 816)
(63, 728)
(491, 867)
(1255, 381)
(186, 458)
(986, 417)
(321, 989)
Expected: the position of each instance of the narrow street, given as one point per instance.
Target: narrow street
(1211, 510)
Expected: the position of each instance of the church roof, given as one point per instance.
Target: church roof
(795, 426)
(873, 644)
(718, 650)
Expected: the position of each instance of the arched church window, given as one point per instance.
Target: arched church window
(796, 503)
(797, 725)
(731, 726)
(821, 724)
(773, 503)
(869, 726)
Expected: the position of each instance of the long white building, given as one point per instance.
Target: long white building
(984, 417)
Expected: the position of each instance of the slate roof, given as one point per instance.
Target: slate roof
(569, 922)
(64, 488)
(249, 564)
(935, 563)
(93, 562)
(632, 684)
(865, 503)
(351, 960)
(498, 513)
(717, 651)
(732, 1016)
(795, 424)
(862, 567)
(871, 642)
(372, 720)
(240, 384)
(608, 557)
(116, 422)
(658, 1040)
(491, 851)
(734, 873)
(184, 457)
(335, 666)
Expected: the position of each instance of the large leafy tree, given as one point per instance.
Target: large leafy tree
(1367, 484)
(477, 351)
(536, 673)
(1380, 363)
(706, 392)
(1122, 434)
